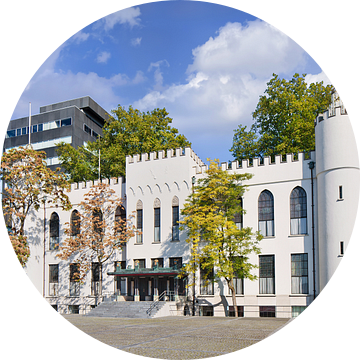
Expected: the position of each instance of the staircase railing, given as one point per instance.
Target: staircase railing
(163, 295)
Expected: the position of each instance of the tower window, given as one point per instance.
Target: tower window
(340, 192)
(341, 248)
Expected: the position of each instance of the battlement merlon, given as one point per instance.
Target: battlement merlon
(88, 184)
(259, 163)
(336, 108)
(164, 155)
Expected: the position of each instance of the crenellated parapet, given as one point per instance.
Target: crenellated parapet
(251, 164)
(86, 185)
(164, 155)
(336, 108)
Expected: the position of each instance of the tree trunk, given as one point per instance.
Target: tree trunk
(231, 287)
(100, 279)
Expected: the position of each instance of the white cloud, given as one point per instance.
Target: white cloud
(128, 16)
(257, 48)
(80, 37)
(139, 77)
(49, 86)
(158, 75)
(136, 41)
(103, 57)
(228, 74)
(317, 78)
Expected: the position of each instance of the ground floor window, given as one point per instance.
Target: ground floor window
(238, 286)
(267, 311)
(206, 311)
(73, 309)
(297, 310)
(299, 274)
(232, 311)
(267, 274)
(206, 281)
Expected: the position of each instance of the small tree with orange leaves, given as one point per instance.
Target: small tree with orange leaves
(97, 232)
(28, 183)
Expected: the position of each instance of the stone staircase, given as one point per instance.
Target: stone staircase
(125, 309)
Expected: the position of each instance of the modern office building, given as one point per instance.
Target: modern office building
(74, 122)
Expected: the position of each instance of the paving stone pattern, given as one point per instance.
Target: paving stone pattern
(178, 337)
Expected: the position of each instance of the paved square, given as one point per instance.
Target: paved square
(178, 337)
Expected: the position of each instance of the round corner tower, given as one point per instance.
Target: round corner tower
(338, 179)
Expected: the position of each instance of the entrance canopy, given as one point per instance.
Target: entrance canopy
(156, 271)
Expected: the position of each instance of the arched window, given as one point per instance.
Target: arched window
(298, 211)
(120, 213)
(139, 222)
(175, 218)
(266, 213)
(238, 218)
(97, 218)
(75, 223)
(54, 231)
(157, 220)
(120, 216)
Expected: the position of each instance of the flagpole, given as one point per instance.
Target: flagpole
(99, 166)
(29, 123)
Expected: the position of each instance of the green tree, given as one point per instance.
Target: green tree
(125, 133)
(28, 183)
(217, 242)
(80, 164)
(283, 119)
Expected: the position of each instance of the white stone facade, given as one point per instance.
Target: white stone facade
(328, 201)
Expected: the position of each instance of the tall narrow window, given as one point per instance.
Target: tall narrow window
(98, 221)
(53, 279)
(54, 231)
(74, 280)
(266, 213)
(267, 274)
(298, 211)
(340, 192)
(95, 278)
(157, 220)
(299, 274)
(75, 223)
(206, 280)
(238, 282)
(139, 222)
(342, 250)
(175, 219)
(238, 218)
(120, 219)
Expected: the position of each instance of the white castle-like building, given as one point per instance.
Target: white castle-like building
(304, 205)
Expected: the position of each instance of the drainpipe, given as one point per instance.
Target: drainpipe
(311, 167)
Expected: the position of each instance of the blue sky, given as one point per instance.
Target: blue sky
(207, 64)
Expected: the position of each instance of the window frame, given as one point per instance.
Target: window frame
(298, 211)
(266, 214)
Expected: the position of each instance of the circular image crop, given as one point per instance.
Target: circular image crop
(180, 180)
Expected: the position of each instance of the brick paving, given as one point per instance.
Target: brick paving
(178, 337)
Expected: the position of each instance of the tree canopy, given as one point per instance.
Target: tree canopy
(28, 183)
(217, 242)
(99, 228)
(283, 119)
(126, 132)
